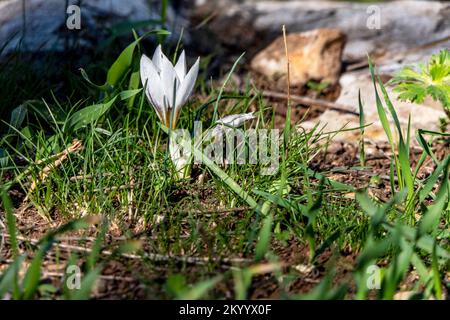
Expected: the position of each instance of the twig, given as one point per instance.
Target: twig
(113, 188)
(231, 210)
(60, 157)
(2, 240)
(90, 176)
(103, 175)
(155, 257)
(286, 51)
(102, 277)
(310, 101)
(130, 195)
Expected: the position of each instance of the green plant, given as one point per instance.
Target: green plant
(431, 79)
(401, 156)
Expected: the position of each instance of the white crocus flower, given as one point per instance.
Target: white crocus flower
(226, 123)
(168, 87)
(180, 140)
(236, 120)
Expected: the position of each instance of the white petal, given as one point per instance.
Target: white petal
(154, 90)
(157, 58)
(187, 85)
(169, 80)
(185, 89)
(236, 120)
(180, 67)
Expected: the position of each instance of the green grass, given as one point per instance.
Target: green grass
(123, 174)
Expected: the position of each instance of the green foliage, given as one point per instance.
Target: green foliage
(264, 238)
(431, 79)
(401, 160)
(121, 66)
(88, 115)
(317, 86)
(362, 153)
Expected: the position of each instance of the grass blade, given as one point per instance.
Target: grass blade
(264, 238)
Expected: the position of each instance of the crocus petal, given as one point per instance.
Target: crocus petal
(187, 85)
(169, 80)
(157, 58)
(236, 120)
(154, 90)
(185, 89)
(180, 67)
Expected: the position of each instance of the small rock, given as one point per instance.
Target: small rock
(313, 55)
(304, 269)
(403, 295)
(158, 219)
(202, 178)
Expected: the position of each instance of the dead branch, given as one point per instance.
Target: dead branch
(310, 101)
(155, 257)
(59, 158)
